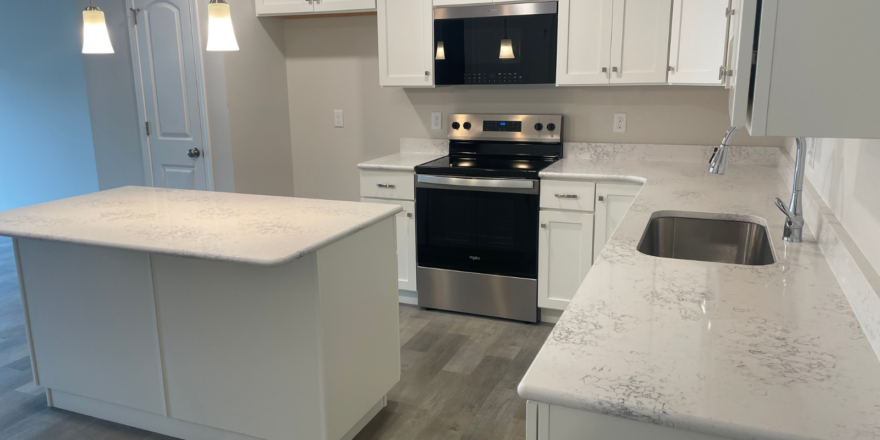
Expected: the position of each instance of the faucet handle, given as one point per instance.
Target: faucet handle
(781, 205)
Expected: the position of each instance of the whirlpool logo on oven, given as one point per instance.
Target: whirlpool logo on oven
(475, 258)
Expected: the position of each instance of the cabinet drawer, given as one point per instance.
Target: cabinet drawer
(574, 196)
(388, 185)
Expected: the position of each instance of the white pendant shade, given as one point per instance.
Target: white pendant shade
(441, 51)
(506, 52)
(95, 36)
(221, 36)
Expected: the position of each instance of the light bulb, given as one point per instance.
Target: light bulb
(96, 39)
(506, 52)
(441, 51)
(221, 36)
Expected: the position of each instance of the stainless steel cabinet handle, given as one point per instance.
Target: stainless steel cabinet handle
(614, 69)
(409, 214)
(601, 198)
(544, 225)
(567, 196)
(385, 185)
(671, 69)
(427, 73)
(604, 70)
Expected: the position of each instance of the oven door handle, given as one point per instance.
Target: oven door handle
(478, 184)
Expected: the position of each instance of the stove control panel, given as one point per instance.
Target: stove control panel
(495, 127)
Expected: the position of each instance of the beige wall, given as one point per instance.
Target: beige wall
(845, 172)
(332, 63)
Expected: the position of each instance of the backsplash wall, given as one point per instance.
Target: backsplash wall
(332, 64)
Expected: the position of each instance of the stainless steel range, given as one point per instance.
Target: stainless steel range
(477, 215)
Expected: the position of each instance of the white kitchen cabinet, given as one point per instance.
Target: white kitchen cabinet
(565, 254)
(613, 42)
(481, 2)
(296, 7)
(815, 70)
(406, 43)
(696, 48)
(583, 51)
(406, 242)
(612, 203)
(640, 41)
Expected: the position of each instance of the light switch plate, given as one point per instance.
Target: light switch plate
(620, 122)
(436, 121)
(337, 119)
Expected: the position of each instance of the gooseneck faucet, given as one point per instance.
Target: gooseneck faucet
(794, 225)
(718, 162)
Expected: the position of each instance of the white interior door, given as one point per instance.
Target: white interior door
(565, 255)
(696, 50)
(584, 47)
(167, 61)
(640, 41)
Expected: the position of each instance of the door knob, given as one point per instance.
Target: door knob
(194, 153)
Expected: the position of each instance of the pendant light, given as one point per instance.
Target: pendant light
(506, 52)
(96, 39)
(441, 51)
(221, 36)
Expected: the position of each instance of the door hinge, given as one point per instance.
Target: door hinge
(149, 129)
(729, 12)
(135, 12)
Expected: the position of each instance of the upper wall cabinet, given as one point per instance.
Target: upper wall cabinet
(815, 71)
(696, 48)
(296, 7)
(406, 43)
(613, 42)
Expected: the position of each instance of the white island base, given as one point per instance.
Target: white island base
(205, 349)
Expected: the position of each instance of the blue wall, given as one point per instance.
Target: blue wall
(46, 150)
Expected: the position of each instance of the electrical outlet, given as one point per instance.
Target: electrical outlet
(620, 122)
(436, 121)
(337, 118)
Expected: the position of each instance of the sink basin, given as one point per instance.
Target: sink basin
(703, 239)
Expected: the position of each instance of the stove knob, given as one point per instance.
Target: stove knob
(551, 126)
(456, 125)
(467, 125)
(539, 126)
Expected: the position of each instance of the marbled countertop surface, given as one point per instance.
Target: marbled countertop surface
(240, 228)
(745, 352)
(399, 161)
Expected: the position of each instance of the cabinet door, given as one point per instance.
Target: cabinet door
(406, 42)
(640, 41)
(696, 49)
(325, 6)
(741, 63)
(584, 46)
(733, 24)
(283, 7)
(612, 203)
(565, 254)
(406, 242)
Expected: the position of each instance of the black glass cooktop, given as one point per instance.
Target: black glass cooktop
(487, 166)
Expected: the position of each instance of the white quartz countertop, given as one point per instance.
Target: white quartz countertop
(240, 228)
(399, 161)
(745, 352)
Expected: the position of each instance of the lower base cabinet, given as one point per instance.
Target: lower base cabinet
(406, 241)
(612, 203)
(553, 422)
(565, 254)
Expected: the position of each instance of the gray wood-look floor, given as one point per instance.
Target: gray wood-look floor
(458, 379)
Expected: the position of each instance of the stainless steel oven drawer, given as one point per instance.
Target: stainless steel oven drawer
(480, 294)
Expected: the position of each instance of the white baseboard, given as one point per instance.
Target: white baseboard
(550, 315)
(408, 297)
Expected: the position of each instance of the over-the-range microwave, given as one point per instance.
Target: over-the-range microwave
(496, 44)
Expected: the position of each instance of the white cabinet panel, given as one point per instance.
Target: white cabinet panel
(328, 6)
(640, 41)
(406, 42)
(584, 46)
(565, 254)
(388, 185)
(612, 203)
(406, 242)
(696, 49)
(282, 7)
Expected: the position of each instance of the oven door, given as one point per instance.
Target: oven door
(487, 226)
(495, 44)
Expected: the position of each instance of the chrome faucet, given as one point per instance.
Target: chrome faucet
(794, 225)
(718, 162)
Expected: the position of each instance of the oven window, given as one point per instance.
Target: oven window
(476, 231)
(472, 50)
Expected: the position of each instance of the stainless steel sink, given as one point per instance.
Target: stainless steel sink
(702, 239)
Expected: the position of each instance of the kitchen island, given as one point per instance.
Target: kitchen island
(205, 315)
